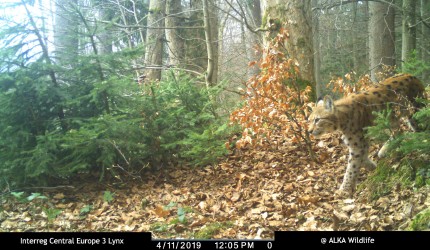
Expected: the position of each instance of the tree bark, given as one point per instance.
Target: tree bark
(195, 45)
(154, 40)
(425, 49)
(211, 35)
(296, 14)
(362, 40)
(317, 52)
(409, 34)
(253, 12)
(174, 36)
(105, 37)
(381, 37)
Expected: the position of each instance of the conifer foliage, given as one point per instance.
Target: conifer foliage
(89, 115)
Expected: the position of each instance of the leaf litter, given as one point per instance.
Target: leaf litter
(248, 195)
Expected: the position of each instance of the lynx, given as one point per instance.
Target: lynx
(353, 113)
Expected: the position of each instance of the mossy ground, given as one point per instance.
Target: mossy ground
(421, 221)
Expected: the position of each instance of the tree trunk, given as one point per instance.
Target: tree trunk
(360, 38)
(154, 40)
(106, 35)
(409, 34)
(296, 14)
(174, 36)
(253, 12)
(317, 52)
(195, 46)
(381, 37)
(211, 35)
(425, 29)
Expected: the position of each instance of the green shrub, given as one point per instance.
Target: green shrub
(407, 162)
(181, 124)
(163, 123)
(414, 65)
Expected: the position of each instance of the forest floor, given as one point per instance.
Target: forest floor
(248, 195)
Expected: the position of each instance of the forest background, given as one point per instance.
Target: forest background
(110, 90)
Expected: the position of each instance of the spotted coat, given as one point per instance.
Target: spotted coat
(353, 113)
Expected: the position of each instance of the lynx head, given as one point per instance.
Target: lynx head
(323, 119)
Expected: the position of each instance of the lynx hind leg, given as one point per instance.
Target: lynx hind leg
(365, 161)
(412, 124)
(369, 164)
(395, 128)
(383, 151)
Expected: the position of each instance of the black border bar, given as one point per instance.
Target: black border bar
(283, 240)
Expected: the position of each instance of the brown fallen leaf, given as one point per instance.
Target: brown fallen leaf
(305, 200)
(348, 208)
(59, 196)
(289, 187)
(161, 212)
(275, 223)
(341, 215)
(176, 192)
(235, 197)
(203, 205)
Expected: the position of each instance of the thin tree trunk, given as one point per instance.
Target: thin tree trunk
(409, 34)
(253, 11)
(106, 36)
(174, 36)
(425, 29)
(317, 54)
(154, 40)
(195, 44)
(381, 37)
(210, 45)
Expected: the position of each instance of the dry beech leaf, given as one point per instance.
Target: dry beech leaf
(348, 208)
(59, 196)
(235, 197)
(341, 215)
(160, 212)
(202, 205)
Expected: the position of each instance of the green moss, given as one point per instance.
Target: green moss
(264, 20)
(273, 15)
(421, 221)
(301, 42)
(155, 11)
(377, 184)
(408, 173)
(159, 227)
(211, 230)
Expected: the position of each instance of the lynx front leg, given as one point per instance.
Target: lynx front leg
(358, 157)
(350, 177)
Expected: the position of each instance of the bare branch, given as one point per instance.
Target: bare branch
(243, 16)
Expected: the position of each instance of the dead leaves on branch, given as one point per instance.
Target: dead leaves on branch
(274, 100)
